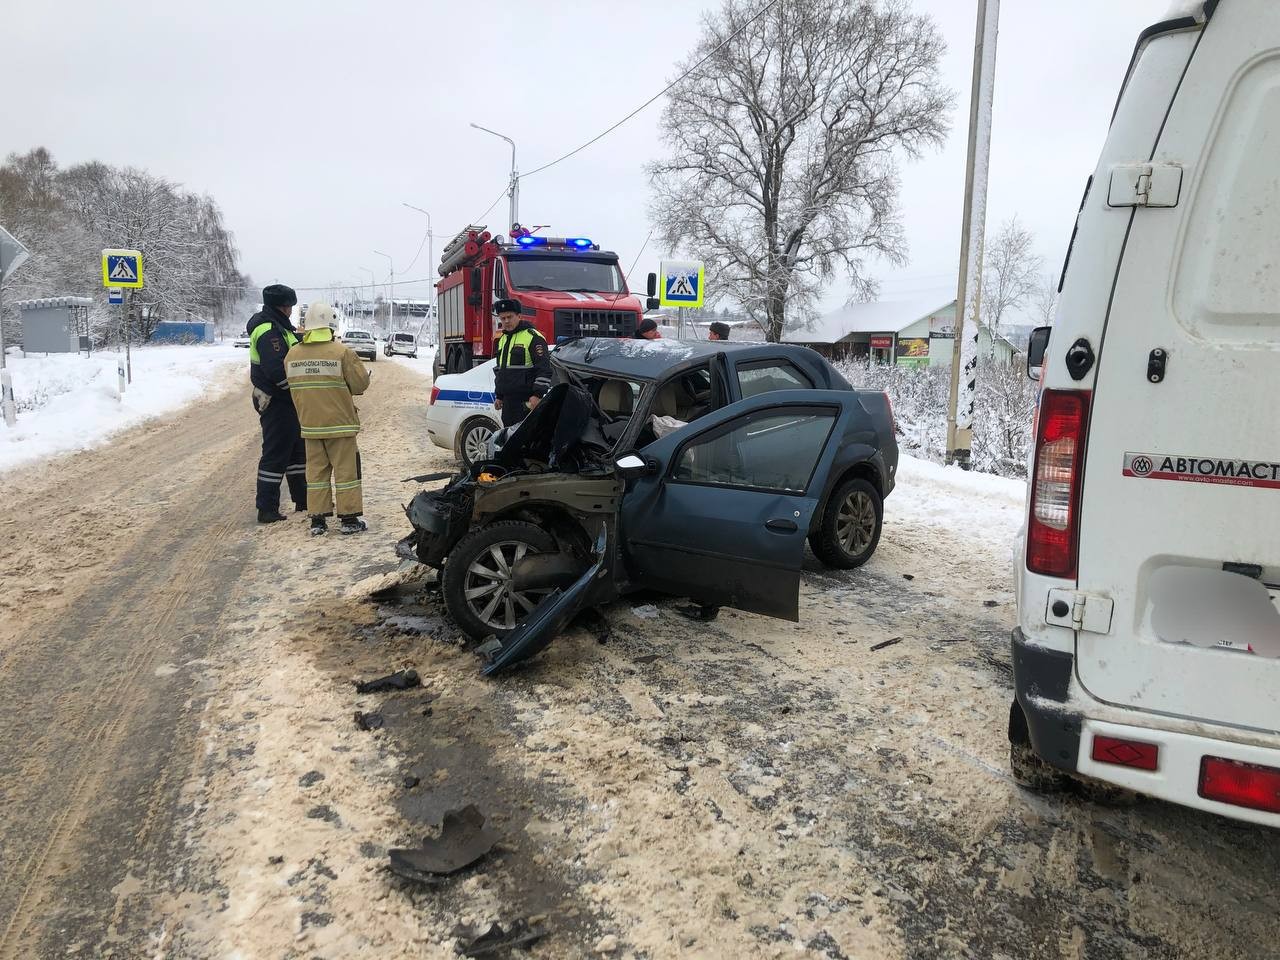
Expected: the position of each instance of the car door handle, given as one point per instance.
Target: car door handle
(781, 526)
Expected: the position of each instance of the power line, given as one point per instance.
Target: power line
(762, 11)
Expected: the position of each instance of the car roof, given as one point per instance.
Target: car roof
(650, 359)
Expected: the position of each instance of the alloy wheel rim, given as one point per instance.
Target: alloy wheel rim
(487, 586)
(476, 443)
(856, 523)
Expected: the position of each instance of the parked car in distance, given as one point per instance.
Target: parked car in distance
(363, 343)
(401, 344)
(460, 414)
(242, 341)
(1147, 651)
(695, 469)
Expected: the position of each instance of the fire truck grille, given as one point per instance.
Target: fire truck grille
(595, 323)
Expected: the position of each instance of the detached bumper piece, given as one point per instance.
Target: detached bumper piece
(551, 616)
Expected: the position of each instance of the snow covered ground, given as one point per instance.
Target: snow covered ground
(69, 402)
(981, 505)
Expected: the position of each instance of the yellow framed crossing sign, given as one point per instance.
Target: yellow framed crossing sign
(122, 268)
(682, 283)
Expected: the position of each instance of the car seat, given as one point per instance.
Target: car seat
(615, 398)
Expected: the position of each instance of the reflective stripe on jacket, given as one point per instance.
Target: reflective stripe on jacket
(523, 365)
(323, 376)
(270, 340)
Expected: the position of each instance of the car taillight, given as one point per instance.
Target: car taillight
(1126, 753)
(1240, 784)
(435, 394)
(1053, 525)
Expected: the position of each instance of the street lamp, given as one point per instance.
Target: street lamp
(391, 319)
(431, 259)
(514, 190)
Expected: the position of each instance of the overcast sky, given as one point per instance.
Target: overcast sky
(312, 122)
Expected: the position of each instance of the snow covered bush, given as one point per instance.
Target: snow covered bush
(1002, 415)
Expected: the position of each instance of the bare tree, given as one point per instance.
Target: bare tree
(1011, 270)
(1044, 302)
(784, 145)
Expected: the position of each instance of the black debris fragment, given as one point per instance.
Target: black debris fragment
(495, 938)
(410, 782)
(310, 778)
(647, 658)
(276, 860)
(991, 603)
(368, 721)
(463, 840)
(323, 812)
(908, 576)
(885, 643)
(400, 680)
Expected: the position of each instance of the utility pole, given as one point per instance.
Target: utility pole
(391, 297)
(431, 260)
(964, 360)
(513, 189)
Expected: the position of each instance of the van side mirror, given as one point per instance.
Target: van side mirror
(651, 289)
(1037, 347)
(632, 466)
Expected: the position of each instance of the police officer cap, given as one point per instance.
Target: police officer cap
(278, 295)
(506, 306)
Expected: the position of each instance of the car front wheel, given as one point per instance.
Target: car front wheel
(850, 528)
(473, 441)
(477, 577)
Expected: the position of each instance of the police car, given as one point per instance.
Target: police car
(460, 416)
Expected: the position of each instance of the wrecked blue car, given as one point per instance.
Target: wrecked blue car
(697, 470)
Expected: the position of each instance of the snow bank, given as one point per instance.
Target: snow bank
(68, 402)
(981, 506)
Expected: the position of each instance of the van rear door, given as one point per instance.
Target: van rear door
(1180, 518)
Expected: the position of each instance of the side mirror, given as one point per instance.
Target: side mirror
(1037, 346)
(652, 288)
(631, 466)
(652, 303)
(477, 281)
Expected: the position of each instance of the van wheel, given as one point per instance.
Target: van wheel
(477, 577)
(473, 441)
(850, 529)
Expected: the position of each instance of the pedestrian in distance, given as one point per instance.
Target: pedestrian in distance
(718, 331)
(522, 375)
(324, 376)
(648, 330)
(271, 335)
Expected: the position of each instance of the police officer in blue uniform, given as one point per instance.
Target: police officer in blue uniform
(284, 455)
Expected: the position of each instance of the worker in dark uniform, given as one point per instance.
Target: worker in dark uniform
(522, 375)
(284, 456)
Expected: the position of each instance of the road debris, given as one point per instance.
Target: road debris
(495, 938)
(645, 611)
(885, 643)
(463, 840)
(368, 721)
(400, 680)
(310, 778)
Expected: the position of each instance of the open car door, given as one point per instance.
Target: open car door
(723, 510)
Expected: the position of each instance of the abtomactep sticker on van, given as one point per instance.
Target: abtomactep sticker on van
(1236, 473)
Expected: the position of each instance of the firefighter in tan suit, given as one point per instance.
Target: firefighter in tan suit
(324, 376)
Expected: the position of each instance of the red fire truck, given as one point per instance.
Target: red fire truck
(567, 287)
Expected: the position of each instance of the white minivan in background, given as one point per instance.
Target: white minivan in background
(1147, 653)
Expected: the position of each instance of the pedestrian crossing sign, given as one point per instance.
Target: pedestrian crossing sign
(122, 268)
(682, 283)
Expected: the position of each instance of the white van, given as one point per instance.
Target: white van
(1147, 654)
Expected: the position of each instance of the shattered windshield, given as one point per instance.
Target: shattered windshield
(569, 275)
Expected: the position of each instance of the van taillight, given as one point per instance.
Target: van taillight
(435, 395)
(1054, 523)
(1240, 784)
